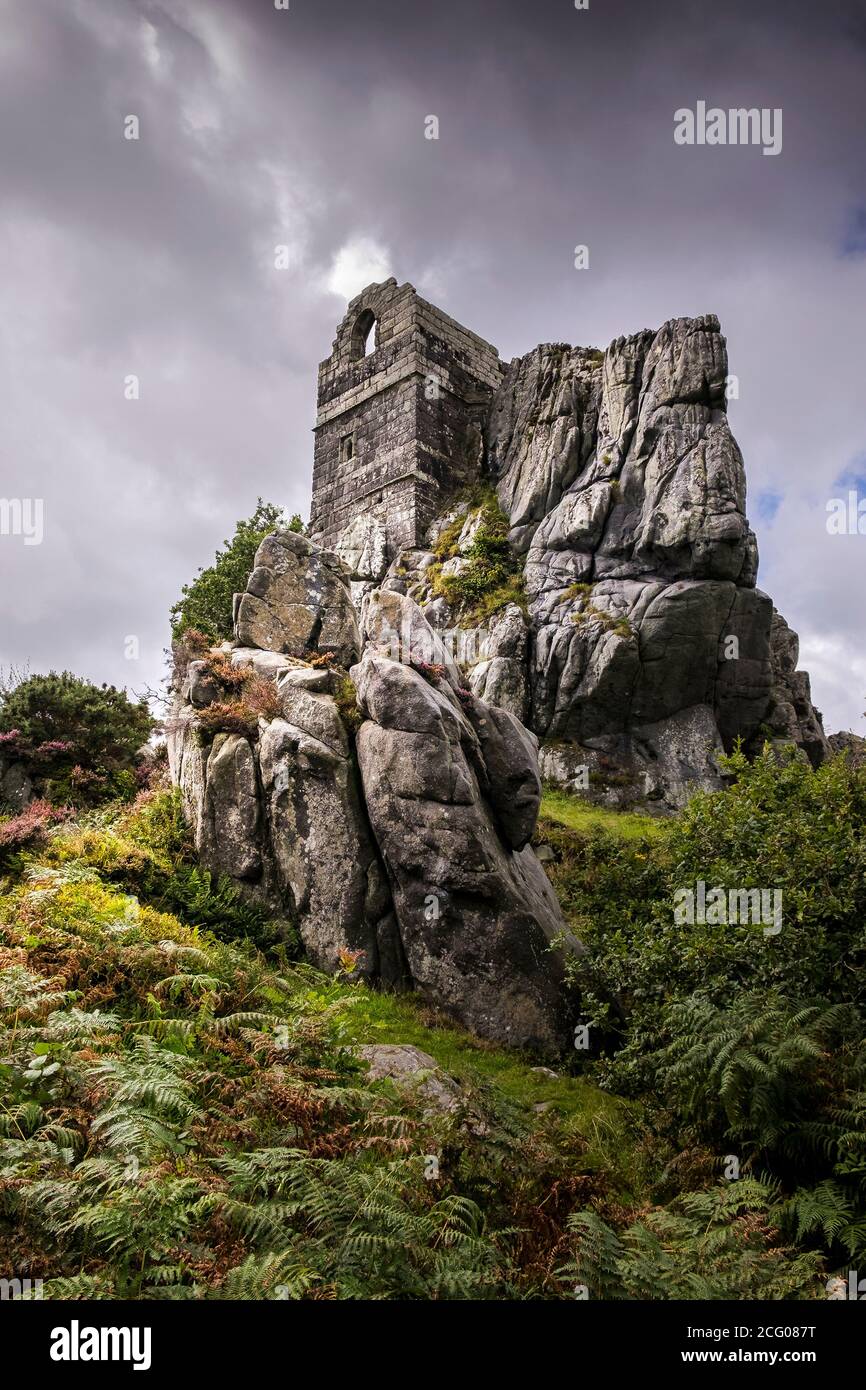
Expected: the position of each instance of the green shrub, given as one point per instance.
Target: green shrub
(744, 1040)
(785, 828)
(717, 1244)
(77, 740)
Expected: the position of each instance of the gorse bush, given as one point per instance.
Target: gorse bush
(77, 740)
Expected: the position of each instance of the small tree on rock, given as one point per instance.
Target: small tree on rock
(206, 603)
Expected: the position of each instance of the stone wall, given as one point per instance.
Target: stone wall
(399, 429)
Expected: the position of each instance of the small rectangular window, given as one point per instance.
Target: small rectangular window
(347, 448)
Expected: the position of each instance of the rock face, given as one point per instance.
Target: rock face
(405, 849)
(16, 788)
(791, 717)
(645, 644)
(852, 745)
(281, 813)
(640, 576)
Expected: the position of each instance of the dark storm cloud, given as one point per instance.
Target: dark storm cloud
(306, 128)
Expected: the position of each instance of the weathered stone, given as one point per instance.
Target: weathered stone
(270, 664)
(394, 625)
(202, 688)
(297, 600)
(853, 746)
(790, 717)
(319, 843)
(16, 787)
(413, 1071)
(316, 714)
(541, 427)
(363, 548)
(229, 832)
(187, 761)
(283, 816)
(500, 674)
(510, 755)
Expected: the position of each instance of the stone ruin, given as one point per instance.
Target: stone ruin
(387, 802)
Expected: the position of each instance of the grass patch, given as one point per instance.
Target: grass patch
(392, 1018)
(577, 814)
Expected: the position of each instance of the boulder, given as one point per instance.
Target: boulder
(790, 717)
(853, 746)
(297, 600)
(283, 816)
(413, 1071)
(477, 918)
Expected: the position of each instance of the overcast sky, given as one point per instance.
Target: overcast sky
(306, 128)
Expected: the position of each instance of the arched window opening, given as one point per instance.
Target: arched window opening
(364, 334)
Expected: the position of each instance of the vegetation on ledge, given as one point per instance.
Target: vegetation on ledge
(491, 576)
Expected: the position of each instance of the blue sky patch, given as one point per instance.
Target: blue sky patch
(854, 240)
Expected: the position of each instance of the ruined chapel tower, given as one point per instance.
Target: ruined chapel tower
(401, 401)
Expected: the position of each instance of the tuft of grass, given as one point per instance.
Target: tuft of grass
(621, 626)
(492, 577)
(575, 591)
(346, 700)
